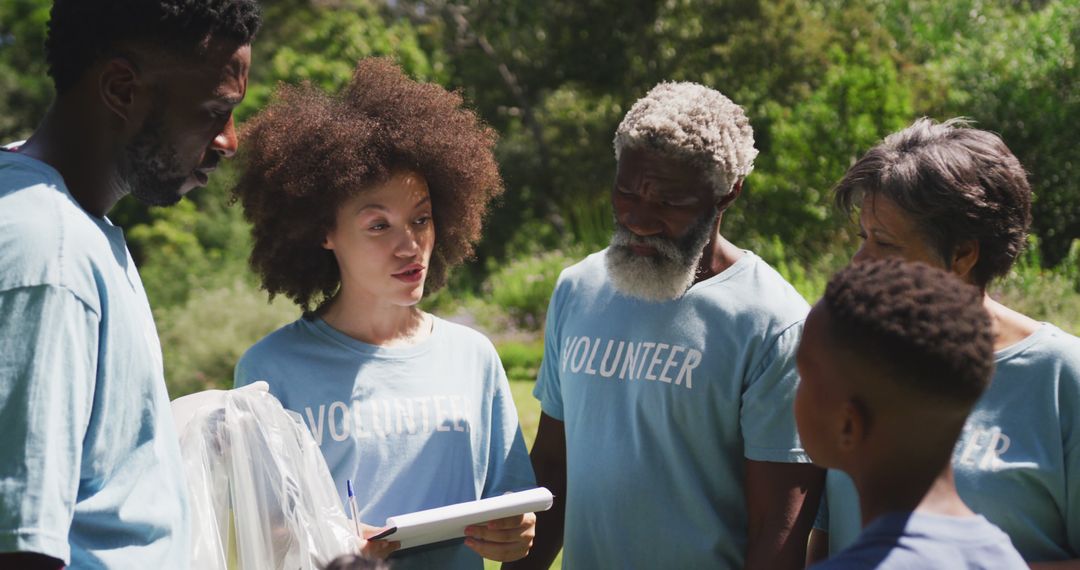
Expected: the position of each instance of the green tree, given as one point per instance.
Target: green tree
(812, 143)
(321, 41)
(556, 77)
(25, 88)
(1022, 80)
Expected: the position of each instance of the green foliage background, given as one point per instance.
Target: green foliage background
(821, 80)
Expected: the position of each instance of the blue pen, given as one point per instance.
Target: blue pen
(352, 508)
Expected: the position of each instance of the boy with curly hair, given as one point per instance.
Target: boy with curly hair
(892, 360)
(360, 204)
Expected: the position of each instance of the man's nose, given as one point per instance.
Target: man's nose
(225, 142)
(641, 219)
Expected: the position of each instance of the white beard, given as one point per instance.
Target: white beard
(663, 277)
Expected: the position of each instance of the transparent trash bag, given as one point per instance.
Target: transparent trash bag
(261, 495)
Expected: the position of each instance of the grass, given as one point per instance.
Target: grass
(521, 358)
(528, 409)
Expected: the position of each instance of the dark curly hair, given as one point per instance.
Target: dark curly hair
(958, 183)
(924, 325)
(308, 152)
(354, 562)
(83, 31)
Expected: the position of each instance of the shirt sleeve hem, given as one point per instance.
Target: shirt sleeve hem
(36, 541)
(550, 410)
(777, 455)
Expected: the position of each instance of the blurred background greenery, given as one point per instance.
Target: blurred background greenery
(822, 81)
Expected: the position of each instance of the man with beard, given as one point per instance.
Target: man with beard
(90, 472)
(667, 433)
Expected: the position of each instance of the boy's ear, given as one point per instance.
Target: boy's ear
(856, 425)
(328, 243)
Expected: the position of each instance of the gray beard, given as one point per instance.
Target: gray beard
(665, 276)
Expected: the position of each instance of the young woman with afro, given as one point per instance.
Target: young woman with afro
(360, 204)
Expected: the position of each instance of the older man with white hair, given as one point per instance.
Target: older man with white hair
(667, 433)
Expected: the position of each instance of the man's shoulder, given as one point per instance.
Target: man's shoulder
(753, 291)
(579, 284)
(589, 271)
(45, 237)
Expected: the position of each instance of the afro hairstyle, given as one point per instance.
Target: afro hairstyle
(308, 152)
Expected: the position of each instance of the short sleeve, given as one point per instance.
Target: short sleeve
(509, 468)
(548, 387)
(1069, 400)
(767, 413)
(48, 371)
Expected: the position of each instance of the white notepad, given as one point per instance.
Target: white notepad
(445, 523)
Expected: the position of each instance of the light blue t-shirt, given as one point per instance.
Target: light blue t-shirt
(917, 541)
(662, 403)
(413, 427)
(1017, 461)
(90, 468)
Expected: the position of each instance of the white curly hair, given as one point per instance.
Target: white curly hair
(692, 122)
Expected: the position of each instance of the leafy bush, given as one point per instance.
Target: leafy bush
(1019, 78)
(806, 148)
(203, 338)
(521, 359)
(809, 277)
(1051, 295)
(523, 287)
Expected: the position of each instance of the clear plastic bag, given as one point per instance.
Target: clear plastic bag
(261, 495)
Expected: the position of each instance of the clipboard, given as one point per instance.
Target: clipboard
(449, 522)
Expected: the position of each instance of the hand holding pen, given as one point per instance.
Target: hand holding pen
(370, 548)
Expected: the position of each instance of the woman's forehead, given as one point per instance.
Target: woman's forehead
(401, 189)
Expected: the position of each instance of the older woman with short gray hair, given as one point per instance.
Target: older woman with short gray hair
(955, 197)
